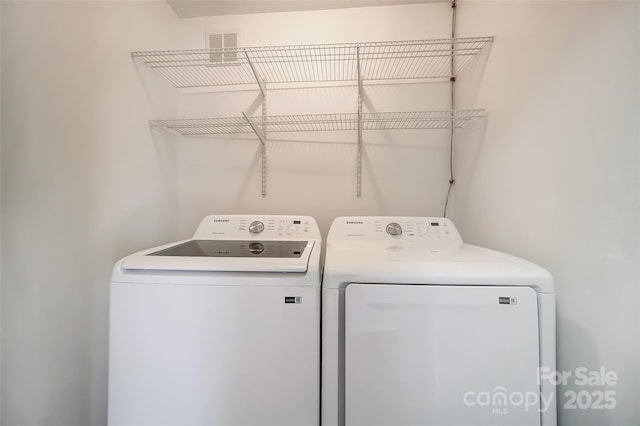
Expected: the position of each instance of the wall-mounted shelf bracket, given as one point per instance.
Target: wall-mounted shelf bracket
(260, 133)
(259, 80)
(257, 130)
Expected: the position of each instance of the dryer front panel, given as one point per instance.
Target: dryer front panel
(441, 356)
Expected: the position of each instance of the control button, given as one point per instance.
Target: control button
(256, 227)
(256, 248)
(394, 229)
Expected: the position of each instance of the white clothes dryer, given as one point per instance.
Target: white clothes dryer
(222, 329)
(419, 328)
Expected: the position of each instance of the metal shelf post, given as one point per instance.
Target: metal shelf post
(264, 145)
(263, 138)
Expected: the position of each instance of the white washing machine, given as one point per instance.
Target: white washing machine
(222, 329)
(419, 328)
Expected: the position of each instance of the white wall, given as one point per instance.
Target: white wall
(82, 185)
(553, 176)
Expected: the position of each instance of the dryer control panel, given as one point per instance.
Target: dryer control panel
(434, 229)
(257, 227)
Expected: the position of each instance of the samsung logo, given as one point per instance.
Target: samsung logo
(355, 222)
(221, 220)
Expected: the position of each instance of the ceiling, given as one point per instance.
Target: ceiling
(195, 8)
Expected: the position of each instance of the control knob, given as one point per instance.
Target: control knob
(394, 229)
(256, 248)
(256, 227)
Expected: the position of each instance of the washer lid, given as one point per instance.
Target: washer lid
(224, 256)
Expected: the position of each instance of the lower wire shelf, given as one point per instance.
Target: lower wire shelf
(259, 125)
(324, 122)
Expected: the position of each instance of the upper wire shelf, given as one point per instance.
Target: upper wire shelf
(388, 60)
(324, 122)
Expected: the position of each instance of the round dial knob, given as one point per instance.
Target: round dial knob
(256, 248)
(394, 229)
(256, 227)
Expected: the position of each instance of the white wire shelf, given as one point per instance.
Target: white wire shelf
(389, 60)
(324, 122)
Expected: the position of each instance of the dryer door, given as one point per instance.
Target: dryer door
(441, 356)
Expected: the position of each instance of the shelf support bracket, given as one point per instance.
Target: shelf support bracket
(260, 81)
(359, 153)
(257, 130)
(261, 134)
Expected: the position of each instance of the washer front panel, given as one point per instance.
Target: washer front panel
(214, 355)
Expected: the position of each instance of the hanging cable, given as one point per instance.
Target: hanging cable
(452, 79)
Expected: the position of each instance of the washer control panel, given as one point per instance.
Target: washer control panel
(253, 227)
(395, 228)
